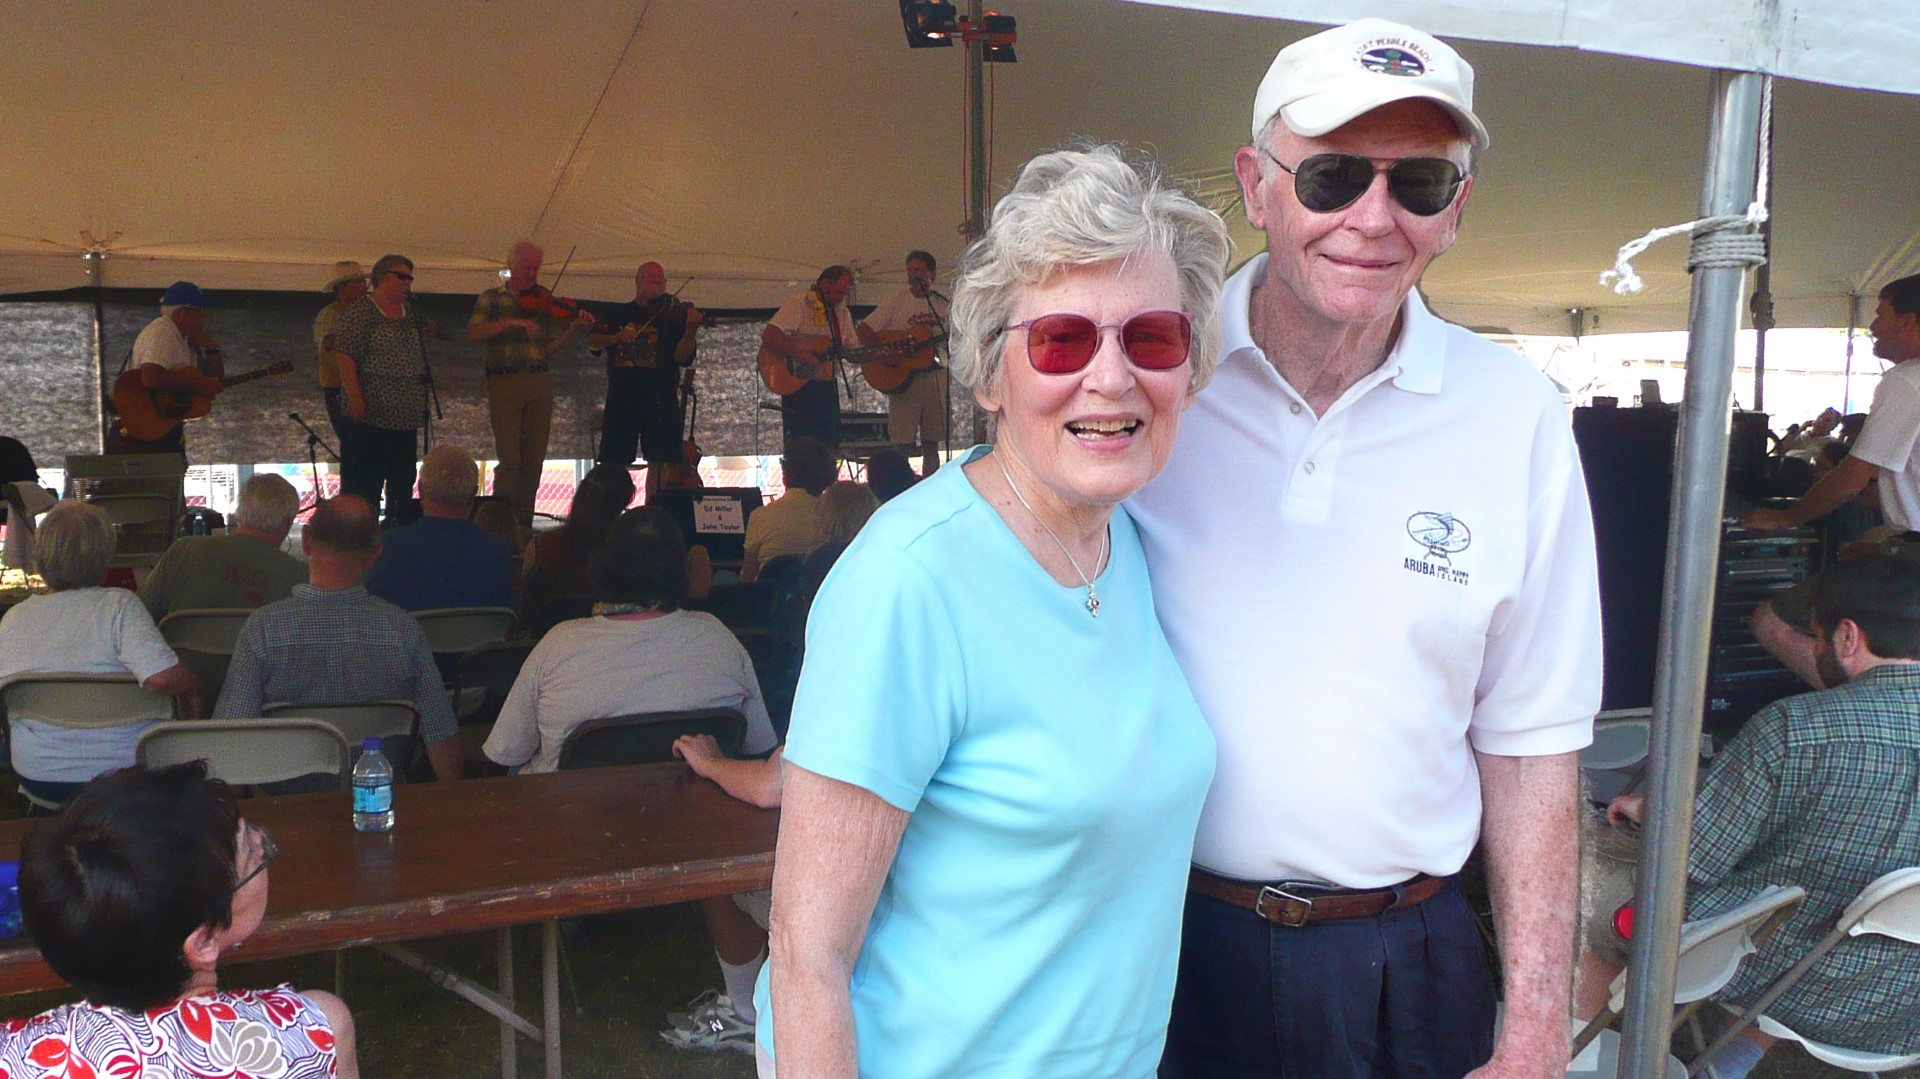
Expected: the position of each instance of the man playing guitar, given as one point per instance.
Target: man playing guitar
(915, 383)
(802, 333)
(174, 353)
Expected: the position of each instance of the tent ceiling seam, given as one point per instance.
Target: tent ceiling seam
(566, 168)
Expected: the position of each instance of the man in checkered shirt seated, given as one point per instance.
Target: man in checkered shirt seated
(333, 643)
(1816, 790)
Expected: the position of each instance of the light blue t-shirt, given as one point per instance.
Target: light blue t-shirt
(1054, 765)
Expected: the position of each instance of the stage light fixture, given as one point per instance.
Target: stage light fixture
(930, 24)
(998, 32)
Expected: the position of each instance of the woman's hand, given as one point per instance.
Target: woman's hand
(699, 751)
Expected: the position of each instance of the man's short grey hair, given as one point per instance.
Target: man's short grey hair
(267, 503)
(448, 476)
(73, 545)
(1086, 205)
(841, 512)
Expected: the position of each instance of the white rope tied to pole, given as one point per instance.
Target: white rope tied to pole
(1728, 240)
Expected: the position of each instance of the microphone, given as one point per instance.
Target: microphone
(294, 416)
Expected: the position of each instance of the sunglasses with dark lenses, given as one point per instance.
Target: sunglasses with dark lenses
(1328, 182)
(405, 276)
(1063, 344)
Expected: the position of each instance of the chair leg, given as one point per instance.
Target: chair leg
(566, 971)
(509, 1048)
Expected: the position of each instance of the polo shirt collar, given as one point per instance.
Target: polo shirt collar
(330, 595)
(1415, 363)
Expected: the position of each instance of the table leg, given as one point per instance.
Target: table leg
(509, 1049)
(550, 987)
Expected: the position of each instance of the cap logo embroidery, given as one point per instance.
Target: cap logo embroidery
(1392, 58)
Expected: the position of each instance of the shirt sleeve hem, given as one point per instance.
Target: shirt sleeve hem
(1567, 736)
(889, 790)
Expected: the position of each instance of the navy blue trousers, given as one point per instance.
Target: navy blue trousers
(1404, 995)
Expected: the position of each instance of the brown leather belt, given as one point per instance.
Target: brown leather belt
(519, 369)
(1291, 903)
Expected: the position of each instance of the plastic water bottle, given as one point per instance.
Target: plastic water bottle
(372, 790)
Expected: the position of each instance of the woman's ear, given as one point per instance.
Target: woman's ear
(202, 948)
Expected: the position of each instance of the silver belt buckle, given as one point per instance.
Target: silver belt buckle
(1283, 907)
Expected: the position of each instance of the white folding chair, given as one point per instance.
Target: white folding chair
(1711, 950)
(252, 752)
(1614, 761)
(452, 632)
(204, 639)
(80, 701)
(1890, 906)
(395, 723)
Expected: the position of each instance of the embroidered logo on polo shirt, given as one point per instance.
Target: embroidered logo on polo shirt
(1440, 536)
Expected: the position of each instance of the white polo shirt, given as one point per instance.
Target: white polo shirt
(1361, 599)
(1891, 443)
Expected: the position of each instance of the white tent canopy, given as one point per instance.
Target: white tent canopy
(746, 145)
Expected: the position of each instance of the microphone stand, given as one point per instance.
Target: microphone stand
(314, 444)
(946, 414)
(426, 379)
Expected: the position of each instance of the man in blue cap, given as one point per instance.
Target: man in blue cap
(174, 355)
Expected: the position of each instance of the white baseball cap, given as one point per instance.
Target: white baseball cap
(1318, 83)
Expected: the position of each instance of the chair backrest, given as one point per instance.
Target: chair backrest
(1711, 949)
(457, 630)
(1889, 906)
(251, 752)
(484, 677)
(647, 737)
(81, 700)
(739, 604)
(395, 723)
(1619, 742)
(209, 666)
(209, 629)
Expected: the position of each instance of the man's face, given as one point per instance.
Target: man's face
(836, 290)
(349, 291)
(191, 320)
(1895, 336)
(523, 269)
(919, 276)
(649, 282)
(1353, 265)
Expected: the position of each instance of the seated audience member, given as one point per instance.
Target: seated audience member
(333, 643)
(444, 559)
(843, 509)
(889, 473)
(1815, 790)
(737, 923)
(785, 525)
(640, 652)
(79, 627)
(555, 563)
(133, 895)
(244, 568)
(21, 500)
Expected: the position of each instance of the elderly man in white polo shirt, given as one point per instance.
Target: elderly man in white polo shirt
(1373, 556)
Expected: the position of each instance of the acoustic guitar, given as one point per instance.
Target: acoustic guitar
(784, 375)
(890, 374)
(150, 415)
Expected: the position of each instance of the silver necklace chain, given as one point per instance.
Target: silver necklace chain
(1093, 598)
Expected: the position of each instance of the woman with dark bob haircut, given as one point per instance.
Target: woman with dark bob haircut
(639, 652)
(132, 894)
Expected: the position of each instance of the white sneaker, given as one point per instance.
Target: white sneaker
(712, 1024)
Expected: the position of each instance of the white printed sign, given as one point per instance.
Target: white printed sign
(719, 515)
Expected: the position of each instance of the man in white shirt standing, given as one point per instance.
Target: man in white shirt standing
(1373, 556)
(914, 382)
(1886, 454)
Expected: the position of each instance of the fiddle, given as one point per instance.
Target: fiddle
(540, 300)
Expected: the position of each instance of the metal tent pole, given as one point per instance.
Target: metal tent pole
(1693, 550)
(976, 225)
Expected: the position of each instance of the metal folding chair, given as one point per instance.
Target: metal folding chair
(454, 631)
(284, 755)
(395, 723)
(1711, 950)
(647, 737)
(204, 639)
(483, 678)
(80, 701)
(1890, 906)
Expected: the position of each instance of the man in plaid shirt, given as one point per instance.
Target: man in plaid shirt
(1819, 790)
(333, 643)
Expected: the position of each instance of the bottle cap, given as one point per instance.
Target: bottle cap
(370, 744)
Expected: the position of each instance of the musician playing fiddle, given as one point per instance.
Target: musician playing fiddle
(523, 325)
(175, 352)
(819, 314)
(648, 343)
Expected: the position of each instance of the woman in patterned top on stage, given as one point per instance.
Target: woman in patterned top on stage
(132, 895)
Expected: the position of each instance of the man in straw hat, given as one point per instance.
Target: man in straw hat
(347, 282)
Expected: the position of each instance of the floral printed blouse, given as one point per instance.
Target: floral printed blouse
(244, 1034)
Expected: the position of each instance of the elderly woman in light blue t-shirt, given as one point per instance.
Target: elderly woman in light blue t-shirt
(995, 768)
